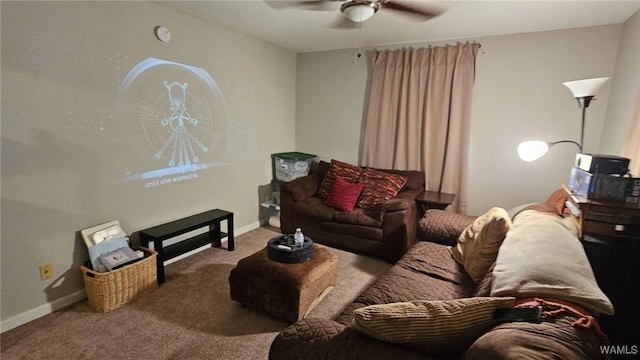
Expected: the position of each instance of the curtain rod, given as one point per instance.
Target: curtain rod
(430, 46)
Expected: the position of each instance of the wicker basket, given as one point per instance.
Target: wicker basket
(110, 290)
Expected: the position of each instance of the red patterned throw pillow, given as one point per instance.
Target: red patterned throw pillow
(348, 172)
(344, 195)
(379, 187)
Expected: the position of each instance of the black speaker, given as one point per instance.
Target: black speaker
(602, 164)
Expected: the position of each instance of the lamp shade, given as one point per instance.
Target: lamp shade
(358, 12)
(532, 150)
(586, 87)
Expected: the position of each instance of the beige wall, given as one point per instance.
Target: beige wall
(518, 95)
(624, 89)
(64, 147)
(330, 91)
(523, 98)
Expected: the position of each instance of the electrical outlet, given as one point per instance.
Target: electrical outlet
(46, 271)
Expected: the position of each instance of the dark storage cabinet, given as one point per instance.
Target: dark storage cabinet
(616, 265)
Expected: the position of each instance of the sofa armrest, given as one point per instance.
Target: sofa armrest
(443, 227)
(292, 192)
(305, 338)
(399, 227)
(396, 204)
(402, 201)
(314, 338)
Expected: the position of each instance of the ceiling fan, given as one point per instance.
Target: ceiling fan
(359, 10)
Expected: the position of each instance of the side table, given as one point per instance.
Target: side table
(433, 200)
(608, 218)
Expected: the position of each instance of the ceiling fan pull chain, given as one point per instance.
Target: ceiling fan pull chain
(358, 46)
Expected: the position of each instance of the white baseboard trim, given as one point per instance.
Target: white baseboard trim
(42, 310)
(80, 295)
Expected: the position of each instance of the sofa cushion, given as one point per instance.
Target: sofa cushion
(359, 219)
(379, 186)
(322, 168)
(362, 217)
(484, 286)
(344, 194)
(556, 339)
(314, 208)
(349, 172)
(478, 244)
(543, 257)
(359, 236)
(426, 272)
(441, 328)
(434, 260)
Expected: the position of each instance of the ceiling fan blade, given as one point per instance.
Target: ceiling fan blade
(315, 5)
(423, 14)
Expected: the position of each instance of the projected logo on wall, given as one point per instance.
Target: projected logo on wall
(176, 120)
(185, 132)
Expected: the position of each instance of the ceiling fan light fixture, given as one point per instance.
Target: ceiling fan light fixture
(359, 11)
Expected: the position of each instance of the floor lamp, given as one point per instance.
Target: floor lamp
(583, 91)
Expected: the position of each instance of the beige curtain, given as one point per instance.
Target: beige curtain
(419, 113)
(631, 147)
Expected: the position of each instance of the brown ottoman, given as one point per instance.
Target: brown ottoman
(286, 291)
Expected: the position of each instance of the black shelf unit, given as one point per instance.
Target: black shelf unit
(162, 232)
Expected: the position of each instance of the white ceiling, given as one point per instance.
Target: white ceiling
(304, 30)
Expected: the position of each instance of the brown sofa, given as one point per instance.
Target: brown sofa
(429, 272)
(386, 230)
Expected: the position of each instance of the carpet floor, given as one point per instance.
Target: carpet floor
(190, 316)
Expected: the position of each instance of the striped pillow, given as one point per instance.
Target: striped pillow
(348, 172)
(441, 328)
(379, 187)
